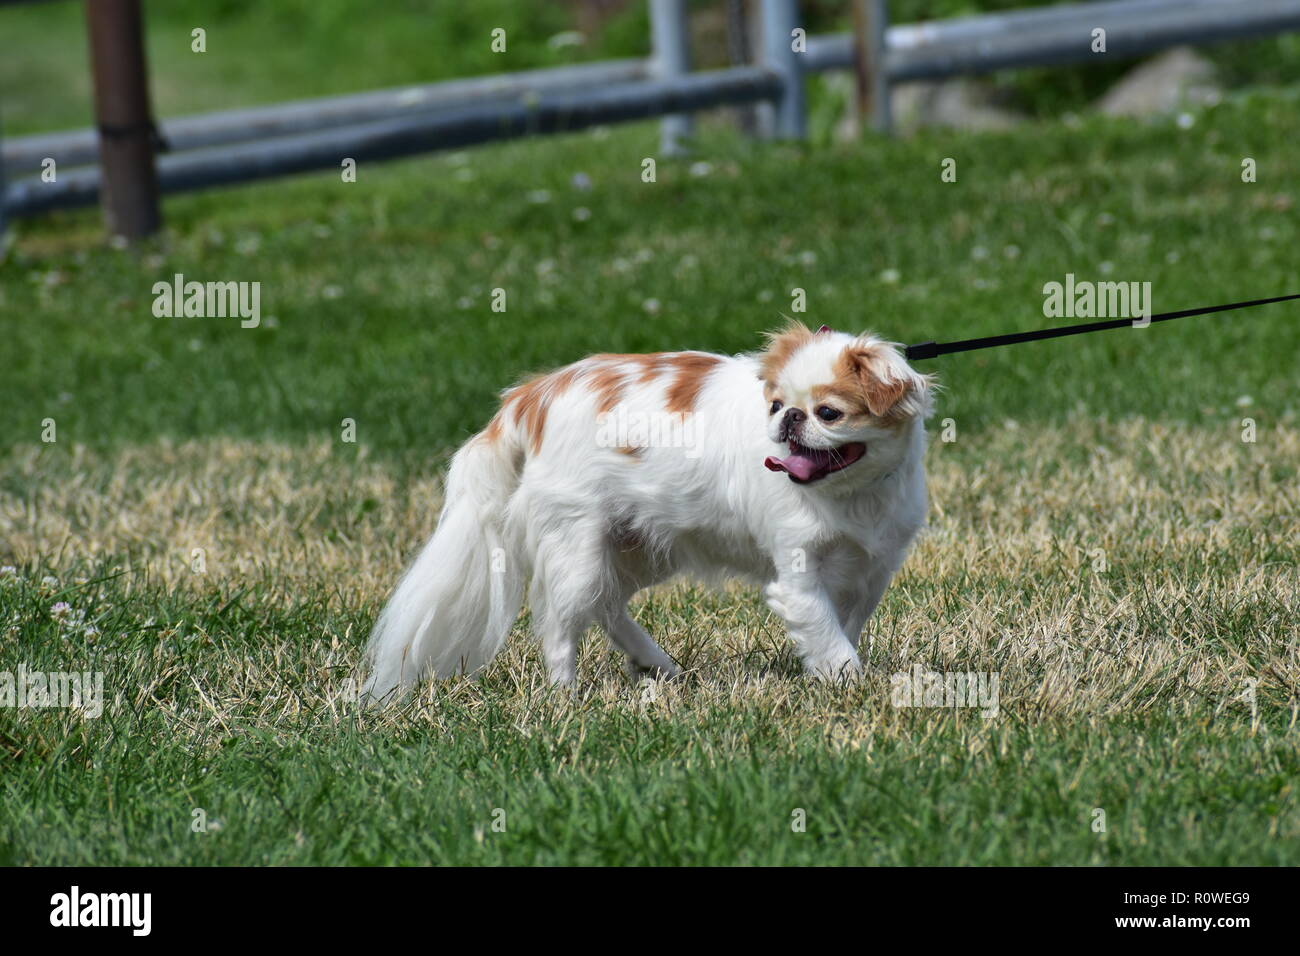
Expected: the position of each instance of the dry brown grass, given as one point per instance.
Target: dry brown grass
(1096, 569)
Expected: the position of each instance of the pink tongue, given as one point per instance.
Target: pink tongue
(804, 464)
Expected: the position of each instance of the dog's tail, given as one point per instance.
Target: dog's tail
(454, 606)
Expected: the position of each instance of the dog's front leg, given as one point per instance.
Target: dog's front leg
(857, 606)
(801, 599)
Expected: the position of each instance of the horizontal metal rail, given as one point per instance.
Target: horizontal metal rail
(74, 148)
(1048, 36)
(281, 139)
(412, 135)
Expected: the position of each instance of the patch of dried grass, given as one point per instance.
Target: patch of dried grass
(1097, 570)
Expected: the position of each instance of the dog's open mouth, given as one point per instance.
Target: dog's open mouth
(812, 464)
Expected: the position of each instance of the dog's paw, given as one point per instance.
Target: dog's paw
(776, 599)
(665, 670)
(835, 667)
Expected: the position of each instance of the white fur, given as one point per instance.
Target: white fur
(589, 526)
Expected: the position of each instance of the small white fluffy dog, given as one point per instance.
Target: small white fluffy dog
(799, 467)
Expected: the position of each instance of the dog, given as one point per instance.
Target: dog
(798, 467)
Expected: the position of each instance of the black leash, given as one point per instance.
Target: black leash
(926, 350)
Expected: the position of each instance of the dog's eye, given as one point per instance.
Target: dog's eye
(776, 407)
(828, 414)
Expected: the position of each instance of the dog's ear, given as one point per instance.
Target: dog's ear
(780, 346)
(888, 386)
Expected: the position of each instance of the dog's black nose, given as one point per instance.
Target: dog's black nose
(792, 419)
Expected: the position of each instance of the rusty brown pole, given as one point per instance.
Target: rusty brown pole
(870, 23)
(129, 182)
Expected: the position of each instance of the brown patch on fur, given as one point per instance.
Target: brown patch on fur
(656, 363)
(607, 376)
(859, 387)
(781, 345)
(531, 401)
(607, 384)
(652, 364)
(691, 369)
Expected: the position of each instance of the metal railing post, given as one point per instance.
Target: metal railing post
(3, 218)
(129, 184)
(670, 38)
(786, 118)
(872, 23)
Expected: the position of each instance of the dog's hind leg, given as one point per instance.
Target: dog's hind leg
(570, 583)
(635, 569)
(645, 658)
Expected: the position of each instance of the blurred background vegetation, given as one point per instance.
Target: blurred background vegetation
(340, 46)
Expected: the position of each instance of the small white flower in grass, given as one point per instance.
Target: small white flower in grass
(464, 302)
(248, 245)
(979, 253)
(1106, 268)
(545, 267)
(1244, 401)
(643, 256)
(807, 258)
(8, 571)
(701, 169)
(765, 295)
(60, 610)
(581, 181)
(568, 38)
(196, 345)
(49, 583)
(890, 276)
(539, 196)
(1011, 251)
(581, 214)
(331, 292)
(600, 132)
(1186, 120)
(651, 305)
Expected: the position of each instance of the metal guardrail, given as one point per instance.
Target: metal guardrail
(410, 135)
(1050, 36)
(250, 144)
(81, 147)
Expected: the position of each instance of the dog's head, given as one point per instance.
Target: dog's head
(840, 402)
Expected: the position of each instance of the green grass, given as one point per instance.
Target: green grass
(1121, 688)
(377, 294)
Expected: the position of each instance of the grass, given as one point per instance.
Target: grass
(1102, 539)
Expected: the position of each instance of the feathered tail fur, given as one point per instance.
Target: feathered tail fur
(454, 606)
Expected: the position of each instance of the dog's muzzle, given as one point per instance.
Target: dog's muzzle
(790, 422)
